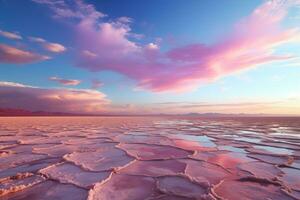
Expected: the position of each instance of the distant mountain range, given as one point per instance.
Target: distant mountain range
(222, 114)
(22, 112)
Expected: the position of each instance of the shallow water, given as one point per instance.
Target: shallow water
(149, 158)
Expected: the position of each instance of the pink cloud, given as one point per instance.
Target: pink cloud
(108, 46)
(10, 35)
(15, 95)
(49, 46)
(54, 47)
(125, 20)
(65, 81)
(37, 39)
(253, 42)
(9, 54)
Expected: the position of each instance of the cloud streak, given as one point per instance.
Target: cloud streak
(10, 35)
(62, 81)
(12, 55)
(49, 46)
(71, 9)
(16, 95)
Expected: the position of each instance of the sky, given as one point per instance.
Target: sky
(150, 57)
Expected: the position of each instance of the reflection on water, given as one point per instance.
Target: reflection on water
(274, 150)
(204, 140)
(149, 158)
(246, 139)
(231, 148)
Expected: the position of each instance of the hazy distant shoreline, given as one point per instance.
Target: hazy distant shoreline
(25, 113)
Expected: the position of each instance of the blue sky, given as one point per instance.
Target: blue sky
(151, 37)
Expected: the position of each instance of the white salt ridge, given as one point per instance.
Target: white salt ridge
(41, 140)
(181, 186)
(29, 167)
(21, 149)
(146, 139)
(19, 182)
(49, 190)
(106, 159)
(124, 187)
(248, 190)
(4, 145)
(55, 150)
(204, 172)
(80, 141)
(154, 168)
(19, 159)
(153, 152)
(261, 170)
(11, 138)
(68, 173)
(169, 197)
(291, 177)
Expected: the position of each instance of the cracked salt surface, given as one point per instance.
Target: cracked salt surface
(176, 158)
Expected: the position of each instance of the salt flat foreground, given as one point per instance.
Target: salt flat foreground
(75, 158)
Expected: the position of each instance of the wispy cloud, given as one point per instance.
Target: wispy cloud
(10, 35)
(71, 9)
(54, 47)
(107, 45)
(49, 46)
(62, 81)
(253, 42)
(9, 54)
(16, 95)
(125, 20)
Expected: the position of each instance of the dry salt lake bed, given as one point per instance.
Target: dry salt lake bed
(136, 158)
